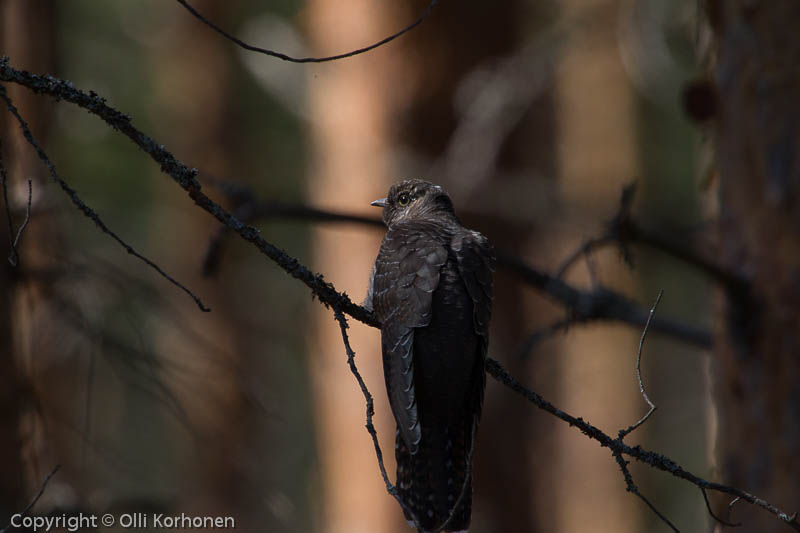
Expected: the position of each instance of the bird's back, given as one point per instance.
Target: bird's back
(448, 377)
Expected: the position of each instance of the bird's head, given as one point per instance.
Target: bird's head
(412, 199)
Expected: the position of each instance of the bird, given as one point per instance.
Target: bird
(431, 290)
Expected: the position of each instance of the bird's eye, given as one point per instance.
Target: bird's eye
(404, 199)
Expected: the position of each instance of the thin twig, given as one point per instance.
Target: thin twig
(390, 488)
(600, 303)
(136, 361)
(653, 459)
(12, 255)
(187, 179)
(587, 246)
(622, 230)
(541, 334)
(730, 508)
(248, 209)
(24, 222)
(351, 355)
(291, 59)
(631, 487)
(36, 498)
(351, 362)
(591, 268)
(624, 432)
(656, 511)
(85, 209)
(711, 512)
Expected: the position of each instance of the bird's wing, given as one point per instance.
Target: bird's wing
(475, 258)
(406, 274)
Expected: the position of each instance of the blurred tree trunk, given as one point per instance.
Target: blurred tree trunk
(401, 101)
(597, 155)
(351, 110)
(470, 80)
(194, 90)
(465, 84)
(26, 35)
(757, 345)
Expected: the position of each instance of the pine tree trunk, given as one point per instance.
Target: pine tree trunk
(350, 134)
(757, 346)
(25, 35)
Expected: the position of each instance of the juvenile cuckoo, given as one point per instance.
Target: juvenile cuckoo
(431, 289)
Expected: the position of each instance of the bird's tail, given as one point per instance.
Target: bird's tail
(435, 484)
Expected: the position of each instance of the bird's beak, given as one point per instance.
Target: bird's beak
(379, 203)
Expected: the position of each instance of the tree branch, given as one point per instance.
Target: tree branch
(653, 459)
(85, 209)
(351, 355)
(186, 179)
(326, 292)
(291, 59)
(623, 230)
(24, 222)
(36, 498)
(624, 432)
(631, 487)
(599, 303)
(13, 256)
(715, 517)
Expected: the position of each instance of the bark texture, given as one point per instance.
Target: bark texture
(757, 390)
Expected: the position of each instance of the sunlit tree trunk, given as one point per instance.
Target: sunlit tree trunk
(597, 155)
(351, 112)
(405, 121)
(757, 343)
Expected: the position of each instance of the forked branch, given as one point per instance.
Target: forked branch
(342, 304)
